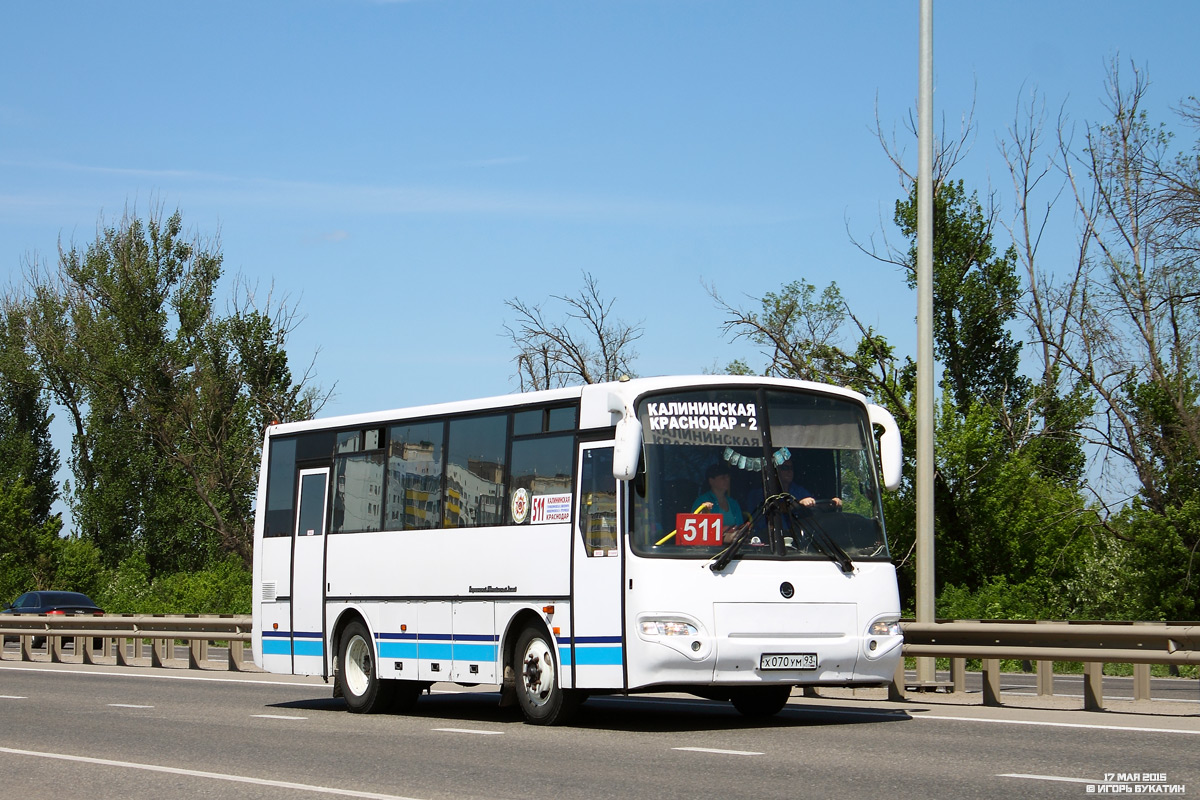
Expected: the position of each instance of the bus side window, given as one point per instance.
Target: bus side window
(598, 503)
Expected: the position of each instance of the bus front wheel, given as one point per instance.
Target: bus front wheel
(542, 699)
(365, 693)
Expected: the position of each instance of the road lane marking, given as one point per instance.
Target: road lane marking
(275, 716)
(216, 776)
(1058, 778)
(469, 730)
(719, 752)
(1084, 725)
(181, 677)
(126, 705)
(12, 697)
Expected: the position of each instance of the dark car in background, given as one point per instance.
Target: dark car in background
(52, 603)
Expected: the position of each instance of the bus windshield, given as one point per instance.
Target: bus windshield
(790, 473)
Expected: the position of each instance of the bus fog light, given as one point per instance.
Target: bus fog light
(695, 647)
(874, 645)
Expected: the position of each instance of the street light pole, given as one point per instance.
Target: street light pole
(925, 399)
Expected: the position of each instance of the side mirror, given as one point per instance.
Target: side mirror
(891, 452)
(628, 448)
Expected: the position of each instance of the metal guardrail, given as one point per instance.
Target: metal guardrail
(120, 638)
(1093, 643)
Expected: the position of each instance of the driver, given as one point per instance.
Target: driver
(787, 474)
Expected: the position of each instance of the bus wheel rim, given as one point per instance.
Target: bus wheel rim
(538, 672)
(358, 666)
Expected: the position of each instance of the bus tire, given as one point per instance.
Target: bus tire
(364, 691)
(540, 694)
(759, 702)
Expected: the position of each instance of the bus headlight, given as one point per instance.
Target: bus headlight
(887, 626)
(678, 632)
(667, 627)
(884, 636)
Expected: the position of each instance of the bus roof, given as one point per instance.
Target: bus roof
(600, 403)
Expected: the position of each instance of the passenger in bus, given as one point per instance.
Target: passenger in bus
(717, 497)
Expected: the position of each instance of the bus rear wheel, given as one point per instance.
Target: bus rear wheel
(364, 691)
(759, 702)
(542, 699)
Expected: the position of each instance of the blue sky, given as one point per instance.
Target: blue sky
(400, 169)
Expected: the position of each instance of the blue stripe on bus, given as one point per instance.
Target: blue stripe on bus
(438, 651)
(474, 652)
(599, 656)
(589, 650)
(281, 643)
(397, 649)
(305, 647)
(428, 651)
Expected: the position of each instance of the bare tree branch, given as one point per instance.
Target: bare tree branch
(589, 346)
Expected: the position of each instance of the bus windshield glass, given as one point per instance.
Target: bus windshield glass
(789, 473)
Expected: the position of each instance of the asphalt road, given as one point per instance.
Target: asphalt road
(101, 732)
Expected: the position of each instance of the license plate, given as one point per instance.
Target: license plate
(787, 661)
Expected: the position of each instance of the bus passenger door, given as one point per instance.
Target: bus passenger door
(308, 574)
(597, 641)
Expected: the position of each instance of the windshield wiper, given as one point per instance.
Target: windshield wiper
(797, 513)
(746, 531)
(740, 534)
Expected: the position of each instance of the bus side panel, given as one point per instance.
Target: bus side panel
(475, 642)
(395, 627)
(435, 643)
(272, 629)
(479, 563)
(466, 574)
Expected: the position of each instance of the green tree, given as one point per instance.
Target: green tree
(167, 397)
(26, 450)
(976, 293)
(28, 548)
(1120, 328)
(1003, 506)
(28, 463)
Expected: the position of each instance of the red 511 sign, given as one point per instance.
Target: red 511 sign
(698, 529)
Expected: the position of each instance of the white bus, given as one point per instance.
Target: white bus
(559, 544)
